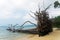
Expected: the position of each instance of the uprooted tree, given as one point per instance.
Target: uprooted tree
(44, 24)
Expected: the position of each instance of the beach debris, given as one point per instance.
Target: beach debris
(43, 26)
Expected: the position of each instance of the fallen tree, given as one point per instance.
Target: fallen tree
(44, 24)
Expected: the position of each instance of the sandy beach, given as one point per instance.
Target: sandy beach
(55, 35)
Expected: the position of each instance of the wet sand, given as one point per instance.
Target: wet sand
(55, 35)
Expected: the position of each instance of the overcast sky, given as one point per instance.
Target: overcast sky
(17, 11)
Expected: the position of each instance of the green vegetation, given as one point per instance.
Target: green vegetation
(57, 22)
(56, 4)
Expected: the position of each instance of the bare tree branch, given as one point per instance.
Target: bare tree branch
(34, 13)
(48, 7)
(38, 8)
(32, 17)
(11, 25)
(15, 25)
(26, 22)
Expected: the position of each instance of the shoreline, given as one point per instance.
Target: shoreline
(55, 35)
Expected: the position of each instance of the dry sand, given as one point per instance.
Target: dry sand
(55, 35)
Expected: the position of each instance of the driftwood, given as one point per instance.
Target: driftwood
(33, 31)
(44, 24)
(27, 22)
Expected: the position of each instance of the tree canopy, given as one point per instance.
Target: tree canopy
(56, 4)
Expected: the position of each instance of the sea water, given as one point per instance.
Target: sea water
(7, 35)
